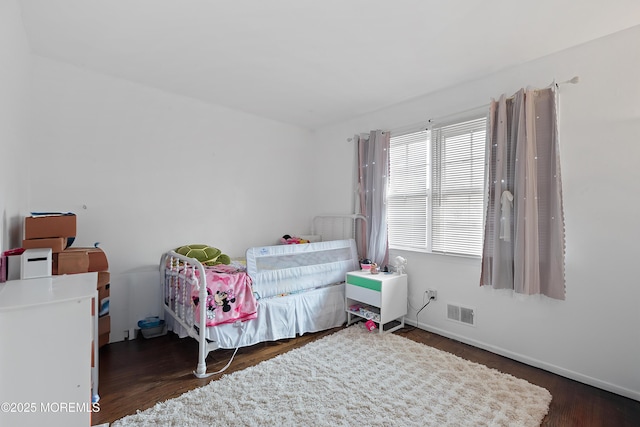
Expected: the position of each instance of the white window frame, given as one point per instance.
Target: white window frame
(392, 193)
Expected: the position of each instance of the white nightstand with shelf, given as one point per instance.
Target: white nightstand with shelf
(384, 293)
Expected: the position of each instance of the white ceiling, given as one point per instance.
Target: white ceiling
(312, 62)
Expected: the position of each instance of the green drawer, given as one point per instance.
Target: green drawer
(364, 282)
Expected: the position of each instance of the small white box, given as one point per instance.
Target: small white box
(35, 263)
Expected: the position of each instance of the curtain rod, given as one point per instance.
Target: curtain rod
(458, 113)
(364, 133)
(574, 80)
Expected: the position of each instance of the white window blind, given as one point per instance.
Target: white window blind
(435, 198)
(458, 152)
(407, 195)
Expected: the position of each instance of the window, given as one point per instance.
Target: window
(408, 190)
(435, 199)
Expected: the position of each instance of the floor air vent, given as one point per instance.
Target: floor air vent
(461, 314)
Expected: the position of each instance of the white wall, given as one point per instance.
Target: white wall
(592, 336)
(112, 151)
(14, 97)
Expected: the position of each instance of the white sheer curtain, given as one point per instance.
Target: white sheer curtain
(524, 231)
(372, 173)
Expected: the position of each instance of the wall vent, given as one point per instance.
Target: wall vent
(461, 314)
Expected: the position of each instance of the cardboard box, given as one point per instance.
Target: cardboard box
(82, 260)
(71, 262)
(103, 292)
(104, 278)
(97, 258)
(103, 339)
(104, 325)
(56, 244)
(44, 227)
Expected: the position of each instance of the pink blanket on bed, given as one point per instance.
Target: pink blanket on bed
(230, 297)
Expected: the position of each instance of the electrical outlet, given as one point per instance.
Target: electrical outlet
(432, 294)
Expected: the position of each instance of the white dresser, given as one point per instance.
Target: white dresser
(47, 334)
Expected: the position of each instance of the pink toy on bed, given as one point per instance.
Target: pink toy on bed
(288, 240)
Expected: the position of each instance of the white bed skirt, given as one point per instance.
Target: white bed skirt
(280, 318)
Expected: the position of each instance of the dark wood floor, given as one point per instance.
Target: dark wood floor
(138, 373)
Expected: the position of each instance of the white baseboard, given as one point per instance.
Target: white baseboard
(585, 379)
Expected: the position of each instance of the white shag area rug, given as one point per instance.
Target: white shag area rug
(356, 378)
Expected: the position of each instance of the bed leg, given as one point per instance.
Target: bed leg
(201, 371)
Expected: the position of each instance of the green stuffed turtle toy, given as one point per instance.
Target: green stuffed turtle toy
(207, 255)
